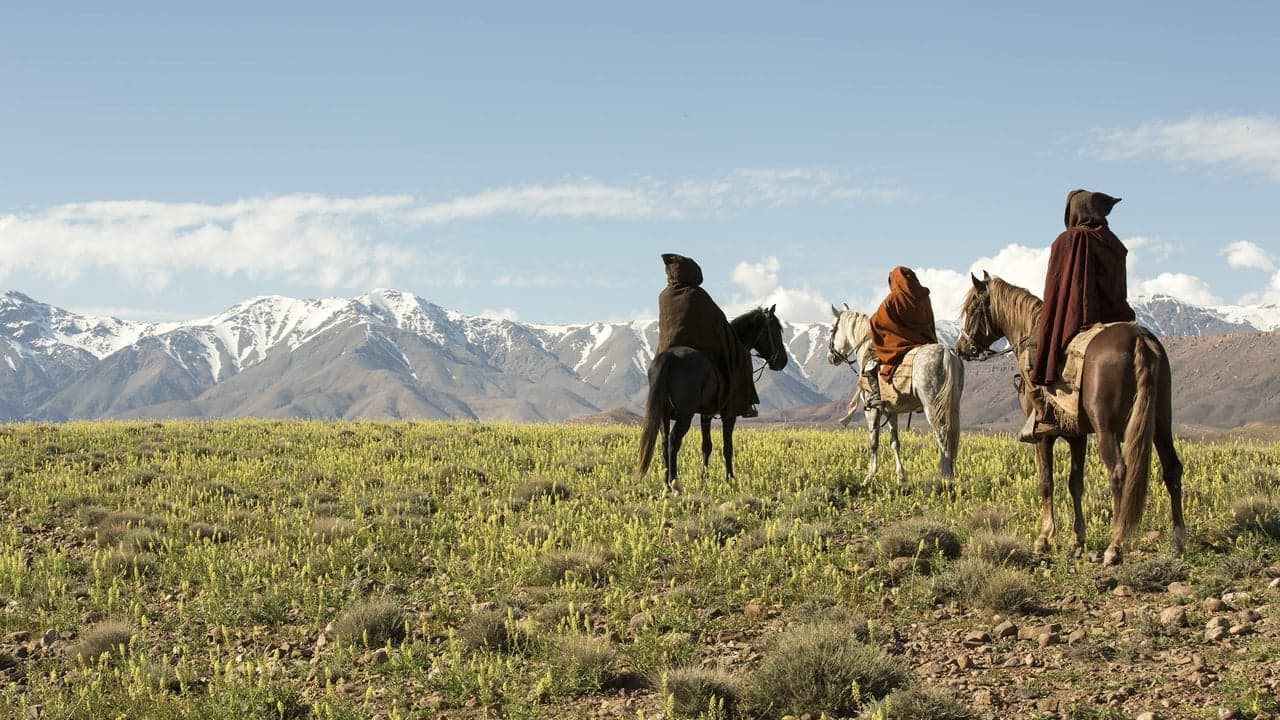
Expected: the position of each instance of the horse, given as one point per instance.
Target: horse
(684, 381)
(937, 380)
(1125, 398)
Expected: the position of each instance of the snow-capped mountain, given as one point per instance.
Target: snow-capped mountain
(392, 354)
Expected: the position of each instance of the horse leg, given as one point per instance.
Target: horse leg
(1075, 482)
(727, 425)
(1048, 524)
(897, 448)
(677, 437)
(873, 424)
(706, 444)
(666, 449)
(1170, 469)
(1109, 449)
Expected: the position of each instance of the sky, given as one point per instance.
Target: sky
(533, 160)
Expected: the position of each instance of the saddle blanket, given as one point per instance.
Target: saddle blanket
(897, 393)
(1064, 393)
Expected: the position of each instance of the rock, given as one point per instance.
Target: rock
(1122, 591)
(984, 698)
(374, 657)
(50, 637)
(1217, 622)
(19, 636)
(1029, 660)
(1180, 589)
(963, 661)
(1274, 584)
(1077, 635)
(1047, 639)
(1240, 629)
(902, 566)
(1214, 605)
(1173, 617)
(640, 621)
(1249, 616)
(753, 611)
(1237, 599)
(1146, 716)
(1048, 705)
(1215, 634)
(1119, 617)
(1005, 629)
(1228, 713)
(976, 638)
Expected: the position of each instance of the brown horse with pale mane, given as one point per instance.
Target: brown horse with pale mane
(1125, 398)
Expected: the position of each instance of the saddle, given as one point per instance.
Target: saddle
(1064, 393)
(897, 394)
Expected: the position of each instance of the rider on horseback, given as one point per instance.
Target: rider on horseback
(1085, 284)
(687, 316)
(903, 321)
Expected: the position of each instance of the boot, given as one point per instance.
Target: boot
(1028, 432)
(873, 392)
(750, 412)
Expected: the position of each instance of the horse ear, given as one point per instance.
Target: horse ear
(846, 306)
(834, 311)
(978, 285)
(985, 276)
(772, 308)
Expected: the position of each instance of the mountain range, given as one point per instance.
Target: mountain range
(389, 354)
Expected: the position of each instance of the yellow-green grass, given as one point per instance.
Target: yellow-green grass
(239, 549)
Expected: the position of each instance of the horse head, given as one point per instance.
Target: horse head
(978, 327)
(769, 344)
(849, 330)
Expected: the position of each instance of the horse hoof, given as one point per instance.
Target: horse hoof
(1041, 546)
(1179, 540)
(1111, 557)
(1077, 552)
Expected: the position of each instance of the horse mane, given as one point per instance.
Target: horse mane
(1011, 306)
(747, 320)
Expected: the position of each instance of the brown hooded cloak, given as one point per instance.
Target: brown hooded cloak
(903, 321)
(687, 316)
(1085, 282)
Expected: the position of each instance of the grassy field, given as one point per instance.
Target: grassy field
(255, 569)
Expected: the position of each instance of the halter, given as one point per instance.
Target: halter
(764, 330)
(831, 347)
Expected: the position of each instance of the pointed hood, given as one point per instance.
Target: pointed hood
(1088, 208)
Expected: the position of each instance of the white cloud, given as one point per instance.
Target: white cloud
(1244, 254)
(1249, 143)
(1142, 247)
(1182, 286)
(1018, 264)
(308, 239)
(335, 242)
(503, 314)
(760, 281)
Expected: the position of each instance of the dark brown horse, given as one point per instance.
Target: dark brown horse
(684, 382)
(1124, 398)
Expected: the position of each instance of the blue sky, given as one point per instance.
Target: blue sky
(534, 159)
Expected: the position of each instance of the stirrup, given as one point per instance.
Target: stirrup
(750, 412)
(1028, 433)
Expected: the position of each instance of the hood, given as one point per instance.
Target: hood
(903, 281)
(682, 270)
(1088, 208)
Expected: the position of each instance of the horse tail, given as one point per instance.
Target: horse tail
(654, 410)
(1139, 432)
(944, 407)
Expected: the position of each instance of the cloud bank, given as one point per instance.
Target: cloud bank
(1242, 143)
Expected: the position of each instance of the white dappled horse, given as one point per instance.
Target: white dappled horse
(937, 379)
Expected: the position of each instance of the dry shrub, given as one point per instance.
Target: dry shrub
(815, 669)
(975, 582)
(589, 565)
(539, 489)
(589, 662)
(916, 703)
(328, 529)
(106, 638)
(1257, 514)
(208, 532)
(696, 690)
(918, 536)
(999, 548)
(987, 517)
(372, 624)
(1151, 575)
(493, 630)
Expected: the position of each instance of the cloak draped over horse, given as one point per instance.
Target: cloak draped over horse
(688, 317)
(1085, 282)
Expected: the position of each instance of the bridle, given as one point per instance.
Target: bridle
(831, 347)
(773, 347)
(984, 319)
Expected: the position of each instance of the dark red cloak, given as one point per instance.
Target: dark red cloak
(1085, 283)
(903, 321)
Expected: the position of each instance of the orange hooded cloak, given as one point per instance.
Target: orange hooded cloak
(903, 321)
